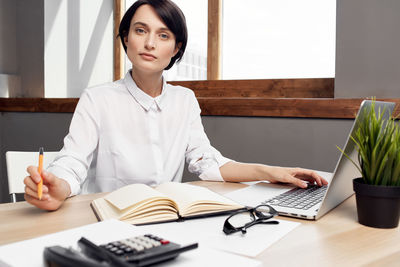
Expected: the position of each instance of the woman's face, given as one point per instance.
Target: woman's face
(150, 44)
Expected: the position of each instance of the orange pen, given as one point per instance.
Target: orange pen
(40, 184)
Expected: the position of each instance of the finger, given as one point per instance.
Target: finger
(293, 180)
(33, 172)
(318, 178)
(324, 181)
(29, 182)
(29, 199)
(34, 193)
(30, 192)
(309, 174)
(48, 178)
(33, 199)
(45, 189)
(45, 197)
(310, 180)
(32, 185)
(307, 179)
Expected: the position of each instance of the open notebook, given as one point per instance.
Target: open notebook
(141, 204)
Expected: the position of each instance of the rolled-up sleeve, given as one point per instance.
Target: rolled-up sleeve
(73, 161)
(203, 159)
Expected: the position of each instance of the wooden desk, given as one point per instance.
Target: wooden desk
(336, 239)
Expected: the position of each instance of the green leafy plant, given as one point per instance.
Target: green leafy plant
(378, 144)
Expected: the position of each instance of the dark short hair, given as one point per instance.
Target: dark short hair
(170, 14)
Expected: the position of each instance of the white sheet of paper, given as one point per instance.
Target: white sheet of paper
(208, 231)
(32, 249)
(204, 256)
(30, 252)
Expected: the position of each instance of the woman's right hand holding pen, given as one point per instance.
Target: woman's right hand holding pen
(55, 190)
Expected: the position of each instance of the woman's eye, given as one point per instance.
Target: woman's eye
(164, 36)
(139, 30)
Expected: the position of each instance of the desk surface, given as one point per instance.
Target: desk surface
(337, 238)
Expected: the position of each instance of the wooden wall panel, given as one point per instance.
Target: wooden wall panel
(285, 107)
(216, 106)
(273, 88)
(38, 104)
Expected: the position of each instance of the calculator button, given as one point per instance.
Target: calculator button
(128, 250)
(147, 245)
(108, 246)
(119, 252)
(113, 249)
(139, 248)
(130, 243)
(155, 243)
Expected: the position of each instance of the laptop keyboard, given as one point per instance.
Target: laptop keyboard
(299, 198)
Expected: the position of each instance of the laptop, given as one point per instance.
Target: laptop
(314, 201)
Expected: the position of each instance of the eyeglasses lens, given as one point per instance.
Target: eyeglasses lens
(241, 219)
(265, 211)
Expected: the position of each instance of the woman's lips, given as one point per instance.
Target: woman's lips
(147, 56)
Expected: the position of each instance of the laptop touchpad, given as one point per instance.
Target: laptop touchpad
(255, 194)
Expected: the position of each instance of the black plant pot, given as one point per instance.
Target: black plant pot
(377, 206)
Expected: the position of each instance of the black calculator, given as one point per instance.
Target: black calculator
(141, 250)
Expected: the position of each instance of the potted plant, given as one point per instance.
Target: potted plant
(377, 192)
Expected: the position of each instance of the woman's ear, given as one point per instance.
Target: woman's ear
(177, 48)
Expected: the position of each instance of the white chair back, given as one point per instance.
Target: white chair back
(17, 162)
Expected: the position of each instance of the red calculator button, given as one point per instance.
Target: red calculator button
(164, 242)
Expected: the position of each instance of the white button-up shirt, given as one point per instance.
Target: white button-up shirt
(120, 135)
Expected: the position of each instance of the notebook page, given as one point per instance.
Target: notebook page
(132, 194)
(186, 195)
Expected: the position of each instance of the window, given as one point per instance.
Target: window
(193, 65)
(261, 39)
(266, 39)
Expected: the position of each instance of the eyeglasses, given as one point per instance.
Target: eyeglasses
(248, 217)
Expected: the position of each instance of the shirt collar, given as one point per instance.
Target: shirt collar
(141, 97)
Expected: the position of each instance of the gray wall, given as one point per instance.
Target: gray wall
(22, 46)
(8, 45)
(30, 45)
(306, 143)
(8, 48)
(289, 142)
(367, 48)
(24, 131)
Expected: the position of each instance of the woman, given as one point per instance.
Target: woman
(140, 129)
